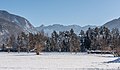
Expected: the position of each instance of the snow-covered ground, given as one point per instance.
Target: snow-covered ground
(57, 61)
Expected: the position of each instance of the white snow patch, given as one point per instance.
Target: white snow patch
(56, 61)
(1, 33)
(27, 25)
(15, 20)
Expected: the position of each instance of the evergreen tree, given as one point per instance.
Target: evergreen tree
(10, 43)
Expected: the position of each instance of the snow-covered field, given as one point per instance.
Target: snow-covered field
(57, 61)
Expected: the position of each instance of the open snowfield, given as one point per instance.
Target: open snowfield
(57, 61)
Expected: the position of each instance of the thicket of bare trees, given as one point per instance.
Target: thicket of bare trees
(67, 41)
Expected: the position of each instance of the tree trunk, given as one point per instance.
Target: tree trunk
(8, 50)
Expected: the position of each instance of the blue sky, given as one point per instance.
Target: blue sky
(66, 12)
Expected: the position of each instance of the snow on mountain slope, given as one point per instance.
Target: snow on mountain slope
(11, 24)
(57, 27)
(20, 21)
(115, 23)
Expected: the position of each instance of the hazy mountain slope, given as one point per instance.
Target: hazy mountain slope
(115, 23)
(57, 27)
(11, 24)
(19, 21)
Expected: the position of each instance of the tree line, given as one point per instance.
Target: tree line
(66, 41)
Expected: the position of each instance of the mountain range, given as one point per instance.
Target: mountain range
(11, 24)
(57, 27)
(115, 23)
